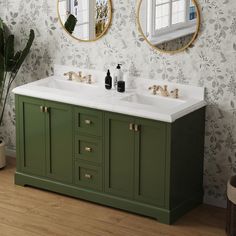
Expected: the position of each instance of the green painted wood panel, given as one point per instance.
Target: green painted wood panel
(31, 123)
(150, 149)
(88, 149)
(18, 133)
(59, 141)
(88, 176)
(186, 157)
(119, 155)
(88, 121)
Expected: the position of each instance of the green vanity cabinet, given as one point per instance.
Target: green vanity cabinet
(119, 155)
(135, 158)
(59, 141)
(148, 167)
(45, 138)
(31, 136)
(150, 161)
(88, 148)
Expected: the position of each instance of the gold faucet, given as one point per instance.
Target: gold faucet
(163, 90)
(73, 75)
(78, 77)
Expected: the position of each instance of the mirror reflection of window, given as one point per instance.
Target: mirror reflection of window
(63, 10)
(102, 17)
(92, 16)
(166, 20)
(81, 10)
(162, 14)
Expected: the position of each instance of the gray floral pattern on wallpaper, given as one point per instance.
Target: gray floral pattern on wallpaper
(211, 63)
(176, 44)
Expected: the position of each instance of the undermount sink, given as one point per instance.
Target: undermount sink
(157, 101)
(80, 89)
(66, 85)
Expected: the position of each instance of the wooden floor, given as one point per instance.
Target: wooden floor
(27, 211)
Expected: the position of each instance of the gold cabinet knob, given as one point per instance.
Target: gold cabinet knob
(88, 149)
(136, 128)
(88, 122)
(88, 176)
(131, 126)
(46, 109)
(42, 108)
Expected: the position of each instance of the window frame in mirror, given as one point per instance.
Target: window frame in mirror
(198, 20)
(110, 15)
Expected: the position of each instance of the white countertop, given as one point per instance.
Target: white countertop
(57, 88)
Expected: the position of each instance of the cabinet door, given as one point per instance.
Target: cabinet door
(31, 136)
(59, 141)
(150, 148)
(119, 155)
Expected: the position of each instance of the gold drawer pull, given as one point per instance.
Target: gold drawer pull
(88, 122)
(88, 176)
(41, 108)
(88, 149)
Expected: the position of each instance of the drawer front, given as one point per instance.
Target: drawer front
(88, 149)
(88, 176)
(88, 121)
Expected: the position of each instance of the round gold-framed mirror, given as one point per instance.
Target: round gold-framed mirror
(169, 26)
(85, 20)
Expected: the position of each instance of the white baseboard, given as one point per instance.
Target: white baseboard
(10, 152)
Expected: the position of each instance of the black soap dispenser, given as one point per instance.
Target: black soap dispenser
(108, 80)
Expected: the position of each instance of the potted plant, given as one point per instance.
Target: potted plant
(10, 63)
(70, 23)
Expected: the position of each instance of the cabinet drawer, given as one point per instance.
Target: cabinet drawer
(88, 149)
(88, 176)
(88, 121)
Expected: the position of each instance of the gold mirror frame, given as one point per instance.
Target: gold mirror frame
(168, 51)
(91, 40)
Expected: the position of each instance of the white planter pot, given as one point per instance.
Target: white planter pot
(2, 155)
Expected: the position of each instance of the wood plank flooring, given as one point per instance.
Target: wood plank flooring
(26, 211)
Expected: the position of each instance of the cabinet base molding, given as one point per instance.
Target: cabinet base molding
(162, 215)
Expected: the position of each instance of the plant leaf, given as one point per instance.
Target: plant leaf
(2, 38)
(22, 55)
(70, 23)
(9, 53)
(17, 56)
(2, 71)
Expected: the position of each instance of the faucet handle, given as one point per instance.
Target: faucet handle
(175, 93)
(154, 89)
(69, 74)
(89, 79)
(150, 88)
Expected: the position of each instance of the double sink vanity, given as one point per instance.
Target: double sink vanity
(134, 151)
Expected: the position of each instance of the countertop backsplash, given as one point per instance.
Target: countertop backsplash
(209, 63)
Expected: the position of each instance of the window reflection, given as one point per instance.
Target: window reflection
(90, 17)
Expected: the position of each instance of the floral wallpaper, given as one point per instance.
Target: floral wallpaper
(176, 44)
(210, 62)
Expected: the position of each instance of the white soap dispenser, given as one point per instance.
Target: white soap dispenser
(119, 73)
